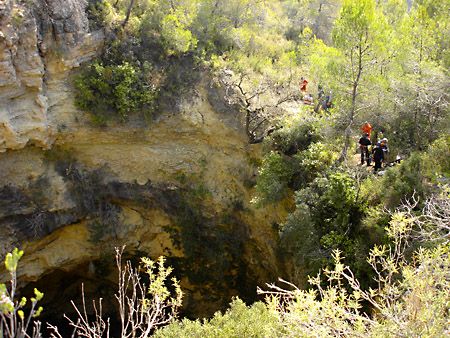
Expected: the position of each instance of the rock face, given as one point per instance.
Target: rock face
(40, 42)
(69, 192)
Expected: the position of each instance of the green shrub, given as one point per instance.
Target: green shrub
(239, 320)
(280, 170)
(177, 39)
(99, 14)
(313, 161)
(274, 176)
(437, 160)
(111, 91)
(402, 182)
(295, 136)
(327, 217)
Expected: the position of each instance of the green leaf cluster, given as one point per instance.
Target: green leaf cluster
(158, 275)
(328, 216)
(240, 320)
(273, 178)
(11, 260)
(294, 156)
(114, 91)
(14, 322)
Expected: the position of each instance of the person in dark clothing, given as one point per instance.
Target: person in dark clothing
(320, 92)
(320, 99)
(327, 102)
(364, 144)
(384, 146)
(378, 156)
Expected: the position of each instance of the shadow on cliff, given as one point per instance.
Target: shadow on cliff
(213, 266)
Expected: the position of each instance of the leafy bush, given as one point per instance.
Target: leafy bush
(177, 39)
(437, 160)
(295, 135)
(401, 182)
(280, 170)
(109, 91)
(99, 13)
(274, 176)
(239, 320)
(327, 217)
(317, 159)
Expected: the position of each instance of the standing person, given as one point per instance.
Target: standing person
(364, 144)
(326, 102)
(367, 128)
(303, 84)
(329, 101)
(378, 156)
(320, 92)
(384, 147)
(320, 98)
(380, 135)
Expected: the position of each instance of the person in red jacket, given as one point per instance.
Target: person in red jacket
(367, 128)
(303, 84)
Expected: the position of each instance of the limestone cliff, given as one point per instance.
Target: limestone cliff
(69, 192)
(40, 41)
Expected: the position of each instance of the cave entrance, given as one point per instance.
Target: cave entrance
(97, 278)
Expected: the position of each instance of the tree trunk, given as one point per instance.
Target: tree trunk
(348, 129)
(247, 124)
(130, 7)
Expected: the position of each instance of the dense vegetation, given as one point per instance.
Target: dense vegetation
(404, 94)
(382, 241)
(149, 40)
